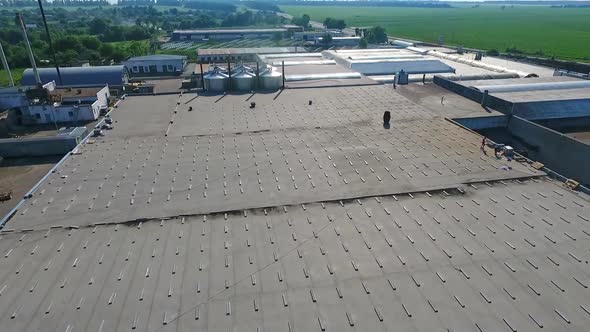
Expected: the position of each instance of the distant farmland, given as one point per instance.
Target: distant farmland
(541, 30)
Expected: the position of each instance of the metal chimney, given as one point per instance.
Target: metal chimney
(21, 24)
(5, 64)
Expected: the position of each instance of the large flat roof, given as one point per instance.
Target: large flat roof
(157, 57)
(293, 216)
(229, 31)
(248, 50)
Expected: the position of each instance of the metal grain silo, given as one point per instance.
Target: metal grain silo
(271, 79)
(216, 81)
(243, 81)
(242, 67)
(218, 69)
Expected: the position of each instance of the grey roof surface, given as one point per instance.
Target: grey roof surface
(252, 157)
(501, 256)
(293, 217)
(428, 95)
(93, 75)
(81, 92)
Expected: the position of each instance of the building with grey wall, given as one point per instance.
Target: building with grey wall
(339, 41)
(66, 105)
(314, 35)
(155, 65)
(242, 53)
(224, 34)
(60, 144)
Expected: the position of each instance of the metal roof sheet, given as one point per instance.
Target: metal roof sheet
(89, 76)
(249, 50)
(229, 31)
(156, 57)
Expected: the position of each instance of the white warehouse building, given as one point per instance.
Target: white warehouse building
(156, 65)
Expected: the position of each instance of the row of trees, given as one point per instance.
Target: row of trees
(107, 32)
(64, 3)
(102, 34)
(374, 35)
(249, 18)
(70, 49)
(332, 23)
(365, 3)
(302, 21)
(78, 35)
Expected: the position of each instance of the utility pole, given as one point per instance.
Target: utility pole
(21, 24)
(5, 64)
(50, 44)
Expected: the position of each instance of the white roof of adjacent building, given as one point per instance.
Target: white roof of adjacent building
(249, 50)
(157, 57)
(230, 31)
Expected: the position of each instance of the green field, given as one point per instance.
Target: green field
(17, 73)
(560, 32)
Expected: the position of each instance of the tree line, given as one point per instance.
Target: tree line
(374, 35)
(104, 34)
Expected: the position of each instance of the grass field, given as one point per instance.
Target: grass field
(17, 73)
(560, 32)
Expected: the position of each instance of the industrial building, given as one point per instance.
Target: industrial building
(66, 139)
(155, 65)
(66, 105)
(532, 98)
(116, 77)
(304, 208)
(339, 41)
(533, 108)
(314, 35)
(212, 55)
(292, 28)
(11, 97)
(227, 34)
(51, 104)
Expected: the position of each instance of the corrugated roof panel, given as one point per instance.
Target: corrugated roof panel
(81, 76)
(156, 57)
